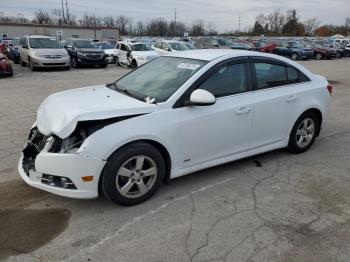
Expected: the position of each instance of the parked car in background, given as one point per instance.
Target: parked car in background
(189, 45)
(242, 45)
(293, 50)
(85, 52)
(213, 43)
(5, 46)
(164, 47)
(321, 52)
(5, 66)
(326, 43)
(14, 53)
(134, 54)
(108, 49)
(39, 51)
(265, 47)
(165, 120)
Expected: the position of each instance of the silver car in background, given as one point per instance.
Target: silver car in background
(40, 51)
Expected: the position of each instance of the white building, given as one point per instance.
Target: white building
(9, 30)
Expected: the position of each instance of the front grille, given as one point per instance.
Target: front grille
(53, 56)
(35, 144)
(90, 56)
(54, 64)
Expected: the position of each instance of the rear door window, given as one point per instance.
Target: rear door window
(270, 75)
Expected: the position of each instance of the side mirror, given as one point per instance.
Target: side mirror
(200, 97)
(216, 45)
(169, 49)
(25, 46)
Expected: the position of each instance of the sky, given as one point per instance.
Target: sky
(224, 14)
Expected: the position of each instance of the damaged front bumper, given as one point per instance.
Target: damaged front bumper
(59, 173)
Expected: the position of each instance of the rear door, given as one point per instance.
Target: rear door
(278, 89)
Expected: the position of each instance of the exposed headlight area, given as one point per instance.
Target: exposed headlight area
(58, 181)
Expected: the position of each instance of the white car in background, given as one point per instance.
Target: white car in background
(108, 49)
(134, 54)
(173, 116)
(164, 47)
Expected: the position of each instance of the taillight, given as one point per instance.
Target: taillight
(330, 89)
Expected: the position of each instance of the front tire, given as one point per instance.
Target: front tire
(31, 65)
(319, 56)
(295, 56)
(133, 174)
(304, 132)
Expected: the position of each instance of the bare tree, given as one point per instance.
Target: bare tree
(310, 25)
(140, 28)
(42, 17)
(276, 21)
(108, 21)
(121, 22)
(198, 28)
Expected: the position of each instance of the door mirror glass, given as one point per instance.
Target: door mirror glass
(200, 97)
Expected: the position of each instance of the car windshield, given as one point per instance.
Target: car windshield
(224, 42)
(160, 78)
(178, 46)
(105, 46)
(15, 41)
(141, 47)
(51, 43)
(318, 46)
(295, 45)
(84, 44)
(189, 46)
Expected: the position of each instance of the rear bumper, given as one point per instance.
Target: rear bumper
(72, 166)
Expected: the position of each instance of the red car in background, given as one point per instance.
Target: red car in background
(5, 66)
(265, 47)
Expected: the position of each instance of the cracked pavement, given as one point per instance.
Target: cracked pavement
(271, 207)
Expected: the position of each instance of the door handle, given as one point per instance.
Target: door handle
(243, 110)
(291, 98)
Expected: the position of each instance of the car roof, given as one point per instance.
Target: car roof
(211, 54)
(39, 36)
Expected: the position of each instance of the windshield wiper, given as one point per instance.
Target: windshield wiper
(130, 93)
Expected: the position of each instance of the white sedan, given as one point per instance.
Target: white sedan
(173, 116)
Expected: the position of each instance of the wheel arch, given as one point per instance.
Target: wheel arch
(160, 147)
(318, 113)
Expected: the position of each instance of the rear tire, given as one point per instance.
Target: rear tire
(304, 132)
(133, 174)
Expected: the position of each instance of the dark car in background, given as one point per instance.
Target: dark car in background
(85, 52)
(293, 50)
(213, 43)
(263, 46)
(5, 66)
(322, 52)
(242, 45)
(14, 53)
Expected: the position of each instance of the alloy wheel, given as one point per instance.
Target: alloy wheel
(136, 176)
(305, 132)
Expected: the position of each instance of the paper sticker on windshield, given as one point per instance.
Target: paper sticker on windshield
(188, 66)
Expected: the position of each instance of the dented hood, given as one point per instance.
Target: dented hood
(59, 113)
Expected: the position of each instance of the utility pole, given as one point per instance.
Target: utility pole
(67, 12)
(175, 23)
(239, 23)
(64, 19)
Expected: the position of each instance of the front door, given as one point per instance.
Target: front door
(211, 133)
